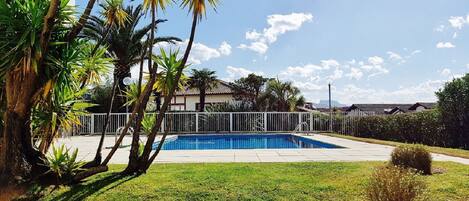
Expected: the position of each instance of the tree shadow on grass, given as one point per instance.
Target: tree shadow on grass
(82, 191)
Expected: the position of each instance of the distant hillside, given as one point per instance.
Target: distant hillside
(325, 104)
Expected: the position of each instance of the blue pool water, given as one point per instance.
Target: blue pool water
(242, 141)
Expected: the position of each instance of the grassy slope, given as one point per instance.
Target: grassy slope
(440, 150)
(253, 181)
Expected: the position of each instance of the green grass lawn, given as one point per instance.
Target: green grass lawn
(254, 181)
(439, 150)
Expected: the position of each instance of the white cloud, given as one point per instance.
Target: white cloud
(327, 64)
(440, 28)
(424, 92)
(444, 45)
(394, 56)
(200, 52)
(258, 47)
(355, 73)
(238, 72)
(457, 21)
(309, 70)
(306, 87)
(225, 48)
(374, 66)
(253, 35)
(416, 52)
(445, 72)
(337, 74)
(375, 60)
(278, 25)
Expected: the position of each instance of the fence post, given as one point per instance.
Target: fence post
(127, 117)
(196, 122)
(163, 123)
(299, 122)
(231, 122)
(265, 121)
(92, 124)
(310, 122)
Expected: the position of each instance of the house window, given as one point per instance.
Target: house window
(197, 105)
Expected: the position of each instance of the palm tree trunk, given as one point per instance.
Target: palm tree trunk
(144, 161)
(202, 100)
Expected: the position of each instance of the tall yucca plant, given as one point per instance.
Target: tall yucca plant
(198, 10)
(33, 35)
(169, 64)
(139, 108)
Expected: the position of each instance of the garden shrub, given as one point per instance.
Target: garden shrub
(412, 156)
(390, 183)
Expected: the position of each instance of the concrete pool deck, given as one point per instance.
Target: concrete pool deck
(353, 151)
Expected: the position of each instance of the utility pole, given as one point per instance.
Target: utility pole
(330, 108)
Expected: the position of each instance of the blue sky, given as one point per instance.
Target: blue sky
(371, 51)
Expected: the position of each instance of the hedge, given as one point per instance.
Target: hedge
(420, 127)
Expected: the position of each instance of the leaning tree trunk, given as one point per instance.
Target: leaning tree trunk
(132, 165)
(145, 160)
(19, 160)
(98, 156)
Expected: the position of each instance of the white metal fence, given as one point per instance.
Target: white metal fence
(226, 122)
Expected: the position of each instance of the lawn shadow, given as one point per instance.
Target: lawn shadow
(82, 191)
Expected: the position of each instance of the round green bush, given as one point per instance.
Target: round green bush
(412, 156)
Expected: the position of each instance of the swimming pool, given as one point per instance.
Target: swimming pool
(242, 141)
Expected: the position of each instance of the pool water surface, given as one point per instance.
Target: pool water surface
(242, 141)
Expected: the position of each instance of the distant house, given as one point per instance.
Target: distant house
(378, 109)
(420, 106)
(188, 99)
(388, 109)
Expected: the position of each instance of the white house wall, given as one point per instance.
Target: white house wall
(191, 101)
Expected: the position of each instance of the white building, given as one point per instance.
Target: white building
(188, 100)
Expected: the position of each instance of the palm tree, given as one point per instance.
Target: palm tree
(126, 44)
(281, 96)
(202, 80)
(198, 9)
(114, 15)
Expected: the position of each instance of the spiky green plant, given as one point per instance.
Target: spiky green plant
(62, 163)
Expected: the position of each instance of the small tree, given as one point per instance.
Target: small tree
(202, 80)
(453, 103)
(248, 89)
